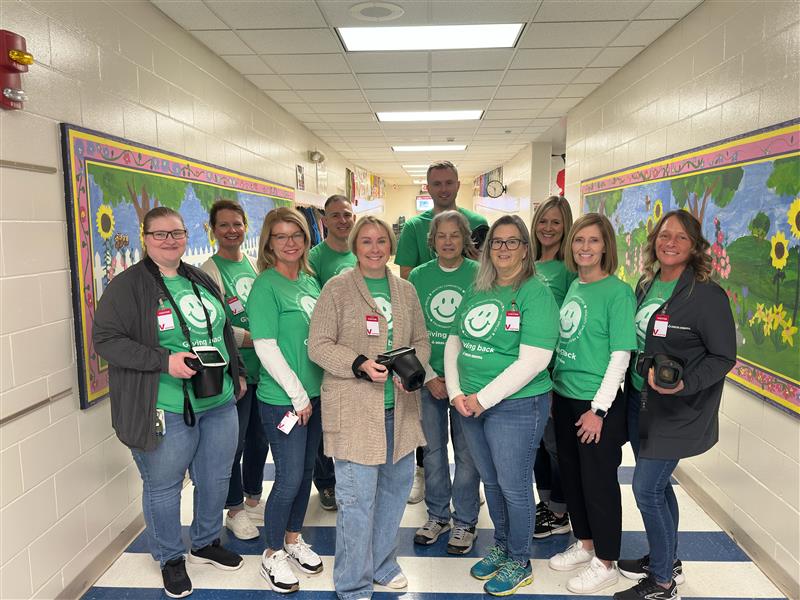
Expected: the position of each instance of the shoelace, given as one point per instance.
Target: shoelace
(430, 525)
(509, 569)
(459, 533)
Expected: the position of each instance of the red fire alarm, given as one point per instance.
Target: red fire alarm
(14, 59)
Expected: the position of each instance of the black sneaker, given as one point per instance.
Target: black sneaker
(638, 568)
(215, 554)
(176, 582)
(648, 589)
(327, 499)
(547, 524)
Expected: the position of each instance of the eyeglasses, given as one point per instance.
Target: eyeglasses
(510, 243)
(177, 234)
(298, 237)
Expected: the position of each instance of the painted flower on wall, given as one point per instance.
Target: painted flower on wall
(105, 221)
(658, 210)
(780, 251)
(794, 218)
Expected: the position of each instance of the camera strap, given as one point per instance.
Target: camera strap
(188, 412)
(644, 415)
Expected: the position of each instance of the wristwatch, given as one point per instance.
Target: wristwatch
(600, 412)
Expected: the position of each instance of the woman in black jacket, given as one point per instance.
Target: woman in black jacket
(150, 319)
(682, 314)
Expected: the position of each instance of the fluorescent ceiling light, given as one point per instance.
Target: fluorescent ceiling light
(416, 167)
(420, 181)
(431, 115)
(430, 37)
(435, 148)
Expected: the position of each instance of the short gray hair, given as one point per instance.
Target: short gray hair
(463, 227)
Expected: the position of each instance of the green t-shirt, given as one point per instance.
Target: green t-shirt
(596, 320)
(170, 389)
(237, 279)
(412, 247)
(488, 346)
(328, 263)
(379, 288)
(657, 295)
(280, 309)
(440, 293)
(555, 275)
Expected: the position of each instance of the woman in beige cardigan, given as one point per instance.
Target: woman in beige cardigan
(371, 425)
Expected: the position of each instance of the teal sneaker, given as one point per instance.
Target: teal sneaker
(487, 567)
(511, 576)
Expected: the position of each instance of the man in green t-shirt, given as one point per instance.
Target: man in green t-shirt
(328, 259)
(332, 256)
(443, 186)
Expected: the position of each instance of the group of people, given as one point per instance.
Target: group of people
(526, 343)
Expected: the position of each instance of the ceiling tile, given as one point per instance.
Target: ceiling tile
(571, 35)
(306, 63)
(669, 9)
(616, 57)
(397, 95)
(325, 108)
(528, 91)
(321, 82)
(642, 33)
(296, 107)
(190, 14)
(348, 118)
(331, 95)
(281, 96)
(595, 75)
(337, 13)
(222, 42)
(275, 14)
(393, 80)
(268, 82)
(466, 78)
(553, 58)
(458, 12)
(539, 76)
(511, 114)
(578, 90)
(529, 103)
(589, 10)
(463, 93)
(399, 106)
(470, 60)
(388, 62)
(247, 64)
(505, 122)
(562, 104)
(290, 41)
(543, 122)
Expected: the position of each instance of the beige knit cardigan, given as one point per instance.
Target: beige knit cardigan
(352, 409)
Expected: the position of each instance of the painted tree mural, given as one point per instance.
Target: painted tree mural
(694, 192)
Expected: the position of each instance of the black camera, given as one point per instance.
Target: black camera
(210, 366)
(667, 370)
(404, 363)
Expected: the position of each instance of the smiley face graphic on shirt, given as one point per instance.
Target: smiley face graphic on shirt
(571, 320)
(643, 318)
(480, 320)
(192, 310)
(307, 303)
(386, 308)
(444, 305)
(243, 286)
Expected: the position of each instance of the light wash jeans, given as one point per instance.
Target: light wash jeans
(371, 500)
(294, 456)
(466, 480)
(207, 450)
(503, 442)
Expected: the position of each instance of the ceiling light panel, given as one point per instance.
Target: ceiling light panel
(431, 37)
(435, 115)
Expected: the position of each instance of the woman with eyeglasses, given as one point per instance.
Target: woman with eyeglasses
(234, 273)
(495, 364)
(150, 319)
(596, 338)
(280, 306)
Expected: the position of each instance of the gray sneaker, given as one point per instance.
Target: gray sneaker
(461, 540)
(430, 532)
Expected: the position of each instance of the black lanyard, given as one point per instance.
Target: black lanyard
(188, 411)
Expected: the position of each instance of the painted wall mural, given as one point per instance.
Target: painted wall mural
(746, 193)
(110, 184)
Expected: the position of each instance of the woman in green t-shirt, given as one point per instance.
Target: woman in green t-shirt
(280, 307)
(595, 339)
(495, 364)
(234, 273)
(549, 228)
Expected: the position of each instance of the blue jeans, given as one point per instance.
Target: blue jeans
(659, 507)
(324, 475)
(207, 450)
(293, 455)
(503, 442)
(466, 480)
(247, 478)
(371, 501)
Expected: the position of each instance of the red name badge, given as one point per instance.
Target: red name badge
(165, 322)
(660, 326)
(512, 320)
(235, 305)
(373, 326)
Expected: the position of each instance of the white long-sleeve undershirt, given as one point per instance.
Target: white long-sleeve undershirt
(273, 361)
(613, 378)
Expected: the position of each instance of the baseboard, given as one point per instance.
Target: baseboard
(86, 578)
(776, 573)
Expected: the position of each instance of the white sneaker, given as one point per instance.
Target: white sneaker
(241, 526)
(256, 513)
(303, 556)
(398, 582)
(593, 578)
(279, 575)
(571, 558)
(418, 488)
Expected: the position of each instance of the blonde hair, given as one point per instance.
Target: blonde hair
(562, 205)
(282, 214)
(699, 259)
(463, 227)
(609, 262)
(487, 274)
(370, 220)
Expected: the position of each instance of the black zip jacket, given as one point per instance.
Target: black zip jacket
(701, 332)
(126, 335)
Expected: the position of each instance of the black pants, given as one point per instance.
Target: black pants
(589, 473)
